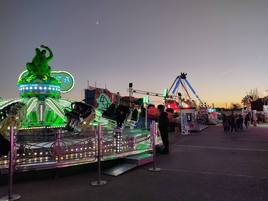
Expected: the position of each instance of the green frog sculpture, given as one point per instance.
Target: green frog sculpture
(38, 71)
(38, 80)
(40, 89)
(39, 66)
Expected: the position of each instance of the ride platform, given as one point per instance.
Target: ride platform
(53, 148)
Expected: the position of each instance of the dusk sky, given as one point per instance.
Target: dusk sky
(221, 44)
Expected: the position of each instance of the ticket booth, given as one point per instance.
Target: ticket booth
(188, 120)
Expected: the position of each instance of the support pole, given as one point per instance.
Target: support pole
(11, 196)
(57, 149)
(177, 85)
(99, 137)
(192, 89)
(153, 137)
(146, 116)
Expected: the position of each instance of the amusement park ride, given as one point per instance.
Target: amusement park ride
(185, 107)
(174, 92)
(190, 114)
(52, 132)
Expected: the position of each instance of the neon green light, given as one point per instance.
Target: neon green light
(22, 75)
(31, 105)
(7, 102)
(165, 93)
(64, 103)
(146, 99)
(61, 76)
(54, 107)
(103, 102)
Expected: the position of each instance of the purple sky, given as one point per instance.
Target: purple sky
(221, 44)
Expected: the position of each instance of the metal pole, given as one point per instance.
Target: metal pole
(154, 135)
(146, 117)
(99, 136)
(59, 152)
(11, 196)
(130, 93)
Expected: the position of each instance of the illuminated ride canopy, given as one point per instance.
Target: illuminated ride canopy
(40, 90)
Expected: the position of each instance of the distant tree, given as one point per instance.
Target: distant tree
(246, 100)
(236, 106)
(252, 95)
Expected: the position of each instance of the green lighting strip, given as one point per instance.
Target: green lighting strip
(8, 102)
(55, 108)
(64, 103)
(55, 74)
(32, 103)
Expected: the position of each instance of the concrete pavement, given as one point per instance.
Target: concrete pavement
(205, 166)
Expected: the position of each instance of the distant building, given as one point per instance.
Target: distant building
(93, 93)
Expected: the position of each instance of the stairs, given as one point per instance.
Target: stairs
(130, 163)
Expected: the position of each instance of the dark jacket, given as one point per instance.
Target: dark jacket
(163, 121)
(4, 146)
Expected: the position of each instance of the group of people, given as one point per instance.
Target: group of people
(235, 122)
(79, 115)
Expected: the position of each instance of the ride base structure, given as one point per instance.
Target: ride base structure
(53, 133)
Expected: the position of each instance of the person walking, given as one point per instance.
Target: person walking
(240, 122)
(225, 123)
(233, 123)
(254, 118)
(247, 119)
(163, 128)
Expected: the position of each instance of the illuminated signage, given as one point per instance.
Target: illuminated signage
(66, 79)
